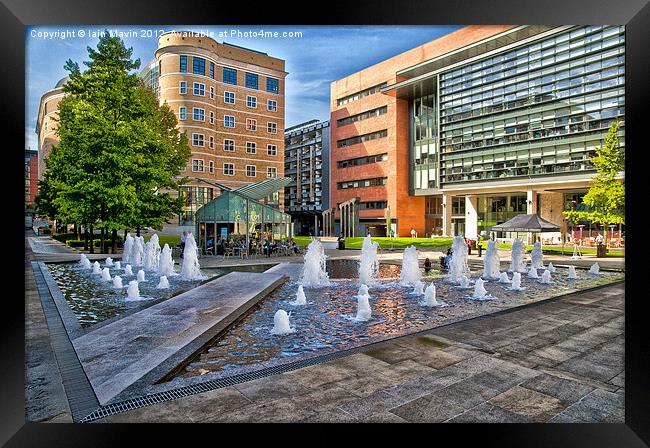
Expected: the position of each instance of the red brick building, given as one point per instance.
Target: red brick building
(31, 176)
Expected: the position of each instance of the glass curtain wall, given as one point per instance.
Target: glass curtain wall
(424, 135)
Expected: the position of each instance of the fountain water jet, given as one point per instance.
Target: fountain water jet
(140, 275)
(301, 299)
(281, 323)
(504, 278)
(152, 254)
(118, 265)
(572, 273)
(314, 274)
(117, 282)
(411, 274)
(491, 263)
(546, 277)
(516, 282)
(368, 263)
(464, 282)
(85, 262)
(517, 257)
(96, 268)
(479, 290)
(163, 283)
(418, 288)
(137, 255)
(106, 275)
(537, 257)
(430, 297)
(363, 309)
(166, 265)
(594, 269)
(127, 251)
(127, 270)
(190, 270)
(133, 292)
(532, 273)
(108, 262)
(550, 267)
(458, 264)
(363, 290)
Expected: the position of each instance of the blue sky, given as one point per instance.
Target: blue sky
(323, 54)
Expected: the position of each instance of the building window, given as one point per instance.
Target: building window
(211, 73)
(199, 89)
(272, 105)
(229, 121)
(197, 165)
(183, 68)
(272, 150)
(211, 92)
(211, 165)
(377, 181)
(251, 101)
(272, 128)
(230, 76)
(229, 169)
(197, 140)
(362, 116)
(229, 145)
(361, 94)
(211, 117)
(198, 114)
(251, 81)
(251, 147)
(362, 160)
(211, 144)
(361, 138)
(229, 97)
(251, 125)
(272, 85)
(182, 111)
(182, 87)
(199, 66)
(272, 172)
(251, 171)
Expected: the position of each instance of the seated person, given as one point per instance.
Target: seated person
(209, 243)
(267, 247)
(427, 265)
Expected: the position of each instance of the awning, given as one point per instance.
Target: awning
(527, 223)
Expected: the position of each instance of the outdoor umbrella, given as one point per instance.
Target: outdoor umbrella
(527, 223)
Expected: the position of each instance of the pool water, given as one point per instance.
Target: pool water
(93, 300)
(326, 322)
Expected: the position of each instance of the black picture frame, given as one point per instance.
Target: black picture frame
(635, 14)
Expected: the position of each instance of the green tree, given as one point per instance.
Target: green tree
(605, 199)
(119, 150)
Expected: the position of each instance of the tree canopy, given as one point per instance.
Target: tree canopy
(119, 151)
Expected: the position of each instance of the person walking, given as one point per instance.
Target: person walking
(183, 236)
(414, 234)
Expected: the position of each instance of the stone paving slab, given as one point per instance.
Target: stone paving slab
(119, 354)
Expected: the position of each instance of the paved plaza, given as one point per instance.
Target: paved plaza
(561, 360)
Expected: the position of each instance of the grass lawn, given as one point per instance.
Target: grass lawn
(558, 250)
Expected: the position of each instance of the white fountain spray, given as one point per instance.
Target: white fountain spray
(411, 273)
(137, 255)
(118, 265)
(537, 256)
(418, 288)
(281, 323)
(550, 267)
(517, 257)
(128, 270)
(458, 264)
(504, 278)
(117, 282)
(430, 297)
(546, 277)
(133, 292)
(106, 275)
(491, 262)
(368, 263)
(314, 274)
(464, 282)
(152, 254)
(594, 269)
(572, 273)
(85, 262)
(140, 275)
(516, 282)
(163, 283)
(166, 265)
(479, 290)
(108, 262)
(127, 251)
(96, 269)
(532, 273)
(301, 299)
(363, 290)
(363, 309)
(191, 270)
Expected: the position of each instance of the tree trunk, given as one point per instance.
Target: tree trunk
(102, 248)
(138, 232)
(92, 240)
(85, 237)
(114, 241)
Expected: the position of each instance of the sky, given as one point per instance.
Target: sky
(320, 55)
